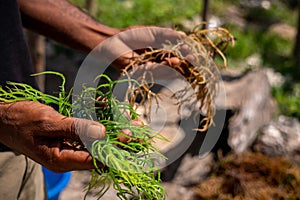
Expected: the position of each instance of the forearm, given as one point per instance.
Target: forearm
(65, 23)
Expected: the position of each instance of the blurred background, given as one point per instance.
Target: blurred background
(258, 153)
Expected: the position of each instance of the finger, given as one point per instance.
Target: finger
(192, 59)
(173, 61)
(137, 122)
(69, 160)
(185, 50)
(54, 155)
(181, 34)
(124, 136)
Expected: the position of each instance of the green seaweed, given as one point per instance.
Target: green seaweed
(130, 167)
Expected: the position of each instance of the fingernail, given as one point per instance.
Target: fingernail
(96, 132)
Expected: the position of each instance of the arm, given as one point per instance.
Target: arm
(65, 23)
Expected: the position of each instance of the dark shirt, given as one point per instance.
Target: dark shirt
(15, 62)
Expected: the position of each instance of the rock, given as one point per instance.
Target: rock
(280, 138)
(283, 30)
(254, 60)
(248, 95)
(193, 170)
(276, 79)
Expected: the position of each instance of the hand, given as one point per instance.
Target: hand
(120, 49)
(38, 131)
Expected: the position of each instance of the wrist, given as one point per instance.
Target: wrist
(4, 128)
(3, 107)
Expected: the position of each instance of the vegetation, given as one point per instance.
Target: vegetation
(251, 176)
(288, 99)
(123, 13)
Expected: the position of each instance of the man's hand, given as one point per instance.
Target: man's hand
(121, 49)
(38, 131)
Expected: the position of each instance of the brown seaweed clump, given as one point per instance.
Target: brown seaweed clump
(251, 176)
(195, 56)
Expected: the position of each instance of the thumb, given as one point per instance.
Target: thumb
(83, 129)
(89, 130)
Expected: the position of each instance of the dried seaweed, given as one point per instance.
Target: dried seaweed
(194, 54)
